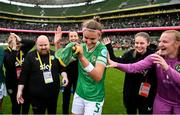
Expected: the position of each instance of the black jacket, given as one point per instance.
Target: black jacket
(32, 75)
(11, 64)
(72, 72)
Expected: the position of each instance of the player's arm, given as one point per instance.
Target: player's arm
(96, 72)
(57, 38)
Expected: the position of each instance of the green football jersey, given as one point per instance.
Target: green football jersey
(87, 88)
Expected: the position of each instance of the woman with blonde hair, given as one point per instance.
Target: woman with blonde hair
(14, 56)
(167, 63)
(135, 101)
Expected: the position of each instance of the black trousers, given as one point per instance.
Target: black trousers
(138, 104)
(40, 105)
(141, 110)
(67, 94)
(16, 108)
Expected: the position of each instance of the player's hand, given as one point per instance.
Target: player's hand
(58, 35)
(159, 60)
(111, 63)
(17, 37)
(13, 43)
(78, 49)
(106, 41)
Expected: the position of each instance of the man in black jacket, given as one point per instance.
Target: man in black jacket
(40, 72)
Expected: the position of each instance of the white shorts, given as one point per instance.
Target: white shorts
(3, 91)
(84, 107)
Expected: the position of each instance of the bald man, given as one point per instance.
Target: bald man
(40, 72)
(43, 45)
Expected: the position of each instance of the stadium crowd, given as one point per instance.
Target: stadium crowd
(159, 20)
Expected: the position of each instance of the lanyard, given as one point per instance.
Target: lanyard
(39, 58)
(18, 60)
(9, 49)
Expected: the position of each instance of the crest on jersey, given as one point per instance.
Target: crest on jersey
(93, 58)
(177, 67)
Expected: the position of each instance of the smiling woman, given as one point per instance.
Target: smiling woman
(169, 43)
(166, 62)
(134, 100)
(89, 95)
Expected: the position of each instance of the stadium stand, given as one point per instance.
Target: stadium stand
(104, 6)
(120, 15)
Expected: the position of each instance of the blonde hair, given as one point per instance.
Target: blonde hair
(175, 32)
(177, 38)
(11, 36)
(93, 24)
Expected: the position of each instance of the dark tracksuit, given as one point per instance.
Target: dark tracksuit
(43, 96)
(131, 98)
(72, 72)
(11, 65)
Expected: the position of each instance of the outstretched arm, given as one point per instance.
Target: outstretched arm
(134, 67)
(57, 38)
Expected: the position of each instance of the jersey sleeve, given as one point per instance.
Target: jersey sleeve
(102, 57)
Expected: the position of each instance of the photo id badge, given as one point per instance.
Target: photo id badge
(47, 77)
(144, 89)
(18, 72)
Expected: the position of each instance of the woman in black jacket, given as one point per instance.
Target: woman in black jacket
(14, 56)
(137, 100)
(72, 76)
(71, 69)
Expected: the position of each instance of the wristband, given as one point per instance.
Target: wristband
(89, 68)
